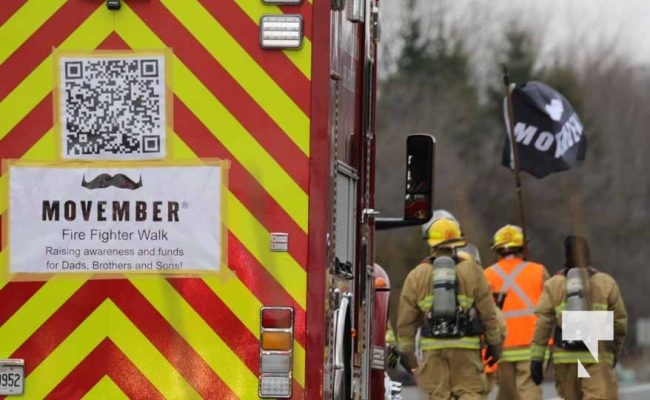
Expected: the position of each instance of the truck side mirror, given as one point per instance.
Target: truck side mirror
(418, 194)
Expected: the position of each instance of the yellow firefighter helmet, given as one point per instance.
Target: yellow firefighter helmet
(445, 233)
(437, 214)
(508, 237)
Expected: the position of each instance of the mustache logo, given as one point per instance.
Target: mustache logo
(120, 181)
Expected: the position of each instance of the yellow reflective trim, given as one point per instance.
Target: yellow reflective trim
(25, 21)
(561, 356)
(599, 307)
(222, 124)
(425, 303)
(460, 343)
(516, 355)
(39, 83)
(28, 318)
(105, 389)
(537, 352)
(121, 331)
(193, 328)
(243, 68)
(301, 58)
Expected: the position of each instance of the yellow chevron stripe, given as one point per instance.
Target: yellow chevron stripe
(105, 389)
(153, 365)
(39, 83)
(301, 58)
(228, 52)
(222, 124)
(24, 23)
(35, 312)
(226, 364)
(238, 298)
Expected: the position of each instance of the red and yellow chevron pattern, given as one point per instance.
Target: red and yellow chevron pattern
(172, 338)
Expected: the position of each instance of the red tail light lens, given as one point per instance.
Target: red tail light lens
(277, 318)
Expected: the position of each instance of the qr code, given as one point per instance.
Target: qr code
(113, 108)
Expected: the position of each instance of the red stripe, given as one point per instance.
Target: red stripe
(226, 90)
(14, 295)
(113, 42)
(262, 284)
(9, 8)
(35, 49)
(274, 62)
(240, 182)
(105, 359)
(167, 340)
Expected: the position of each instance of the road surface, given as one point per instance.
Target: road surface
(628, 392)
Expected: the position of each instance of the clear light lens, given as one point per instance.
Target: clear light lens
(275, 386)
(281, 31)
(276, 318)
(276, 364)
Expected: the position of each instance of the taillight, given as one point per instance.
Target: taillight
(276, 352)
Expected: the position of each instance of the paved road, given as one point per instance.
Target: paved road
(630, 392)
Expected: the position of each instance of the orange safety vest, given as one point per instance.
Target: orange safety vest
(522, 281)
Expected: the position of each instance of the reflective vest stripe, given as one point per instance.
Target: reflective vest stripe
(509, 283)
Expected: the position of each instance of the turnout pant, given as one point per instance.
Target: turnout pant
(452, 374)
(515, 382)
(602, 385)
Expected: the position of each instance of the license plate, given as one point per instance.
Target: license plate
(12, 377)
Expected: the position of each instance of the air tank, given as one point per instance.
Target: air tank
(576, 289)
(444, 288)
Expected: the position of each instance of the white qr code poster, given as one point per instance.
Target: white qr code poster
(112, 107)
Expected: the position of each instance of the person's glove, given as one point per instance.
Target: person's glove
(537, 371)
(493, 354)
(392, 356)
(409, 361)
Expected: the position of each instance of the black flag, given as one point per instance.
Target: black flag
(549, 135)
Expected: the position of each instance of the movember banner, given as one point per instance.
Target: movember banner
(82, 219)
(548, 133)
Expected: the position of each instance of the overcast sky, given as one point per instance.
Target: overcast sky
(563, 26)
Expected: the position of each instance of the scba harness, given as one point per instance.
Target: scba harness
(576, 299)
(447, 318)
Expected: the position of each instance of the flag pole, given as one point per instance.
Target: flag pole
(515, 156)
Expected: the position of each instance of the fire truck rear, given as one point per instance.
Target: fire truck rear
(187, 200)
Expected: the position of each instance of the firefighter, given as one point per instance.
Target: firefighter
(470, 252)
(518, 284)
(579, 287)
(448, 300)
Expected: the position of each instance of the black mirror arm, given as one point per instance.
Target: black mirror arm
(391, 223)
